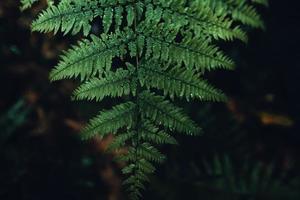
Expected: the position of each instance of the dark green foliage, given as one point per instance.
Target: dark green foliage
(250, 180)
(27, 3)
(256, 178)
(223, 177)
(15, 117)
(164, 47)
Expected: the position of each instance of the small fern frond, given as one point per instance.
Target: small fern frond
(25, 4)
(162, 112)
(137, 175)
(151, 133)
(148, 132)
(199, 17)
(90, 57)
(114, 84)
(256, 179)
(178, 82)
(247, 14)
(110, 121)
(150, 153)
(192, 52)
(120, 141)
(72, 16)
(239, 10)
(140, 167)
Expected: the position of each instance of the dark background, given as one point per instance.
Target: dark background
(252, 139)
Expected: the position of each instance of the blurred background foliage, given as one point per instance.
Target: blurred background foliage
(250, 149)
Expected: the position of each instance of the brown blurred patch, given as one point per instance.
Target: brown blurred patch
(31, 96)
(110, 177)
(233, 107)
(73, 124)
(267, 118)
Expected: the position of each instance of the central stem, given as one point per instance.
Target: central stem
(136, 141)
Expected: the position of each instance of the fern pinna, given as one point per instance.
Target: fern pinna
(163, 48)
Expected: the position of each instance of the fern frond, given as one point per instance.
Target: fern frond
(114, 84)
(178, 82)
(148, 132)
(193, 52)
(164, 113)
(239, 10)
(140, 158)
(25, 4)
(74, 15)
(247, 14)
(110, 121)
(90, 57)
(137, 176)
(146, 47)
(150, 153)
(151, 133)
(120, 140)
(256, 179)
(199, 17)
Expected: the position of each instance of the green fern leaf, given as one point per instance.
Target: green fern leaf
(201, 19)
(247, 15)
(74, 15)
(164, 113)
(239, 10)
(114, 84)
(25, 4)
(151, 133)
(120, 140)
(110, 121)
(90, 57)
(193, 52)
(178, 82)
